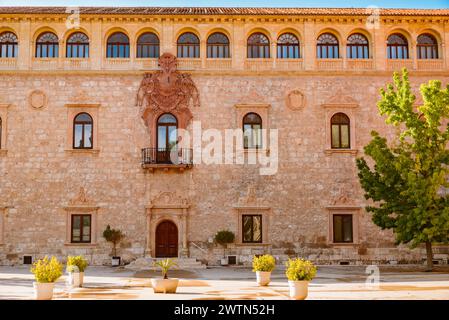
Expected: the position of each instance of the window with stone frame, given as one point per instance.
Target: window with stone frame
(77, 46)
(252, 228)
(117, 46)
(148, 45)
(427, 46)
(397, 47)
(258, 46)
(83, 131)
(327, 47)
(8, 45)
(340, 131)
(81, 228)
(288, 46)
(218, 46)
(188, 45)
(252, 131)
(342, 225)
(47, 45)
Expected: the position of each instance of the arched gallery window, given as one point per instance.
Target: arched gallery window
(218, 46)
(188, 46)
(340, 131)
(83, 131)
(427, 47)
(258, 46)
(118, 46)
(397, 47)
(252, 131)
(77, 46)
(47, 45)
(357, 47)
(148, 46)
(288, 46)
(8, 45)
(327, 47)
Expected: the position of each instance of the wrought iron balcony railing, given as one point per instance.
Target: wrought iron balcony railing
(173, 156)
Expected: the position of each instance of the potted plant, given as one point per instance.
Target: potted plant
(46, 271)
(114, 236)
(263, 266)
(75, 267)
(224, 237)
(164, 285)
(299, 272)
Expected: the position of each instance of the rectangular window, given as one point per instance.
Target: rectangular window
(81, 228)
(252, 228)
(342, 227)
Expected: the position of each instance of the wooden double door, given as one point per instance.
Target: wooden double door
(166, 240)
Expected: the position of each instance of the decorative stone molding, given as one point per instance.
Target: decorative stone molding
(81, 204)
(167, 205)
(167, 91)
(37, 99)
(295, 100)
(340, 100)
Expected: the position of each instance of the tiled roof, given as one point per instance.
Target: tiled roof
(225, 11)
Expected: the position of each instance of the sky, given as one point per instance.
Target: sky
(236, 3)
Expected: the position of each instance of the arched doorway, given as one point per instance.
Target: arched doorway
(166, 240)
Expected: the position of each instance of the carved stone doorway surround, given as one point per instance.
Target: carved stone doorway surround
(172, 207)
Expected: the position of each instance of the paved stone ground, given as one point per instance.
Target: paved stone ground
(225, 283)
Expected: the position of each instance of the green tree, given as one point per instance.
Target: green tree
(408, 178)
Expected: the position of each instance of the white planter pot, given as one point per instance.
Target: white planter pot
(224, 261)
(115, 261)
(43, 291)
(81, 279)
(298, 289)
(164, 285)
(263, 278)
(75, 279)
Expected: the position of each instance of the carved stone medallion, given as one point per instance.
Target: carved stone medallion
(38, 99)
(295, 100)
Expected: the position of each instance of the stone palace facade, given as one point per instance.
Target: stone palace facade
(92, 100)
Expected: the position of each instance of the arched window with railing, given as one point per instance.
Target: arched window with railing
(357, 46)
(218, 46)
(327, 47)
(77, 46)
(8, 45)
(258, 46)
(117, 46)
(83, 131)
(427, 46)
(47, 45)
(340, 131)
(397, 47)
(188, 45)
(288, 46)
(148, 46)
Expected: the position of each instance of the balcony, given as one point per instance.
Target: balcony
(165, 159)
(76, 63)
(359, 64)
(329, 64)
(398, 64)
(117, 64)
(189, 63)
(258, 64)
(8, 63)
(45, 63)
(218, 63)
(430, 64)
(288, 64)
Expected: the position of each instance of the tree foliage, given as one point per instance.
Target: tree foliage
(408, 182)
